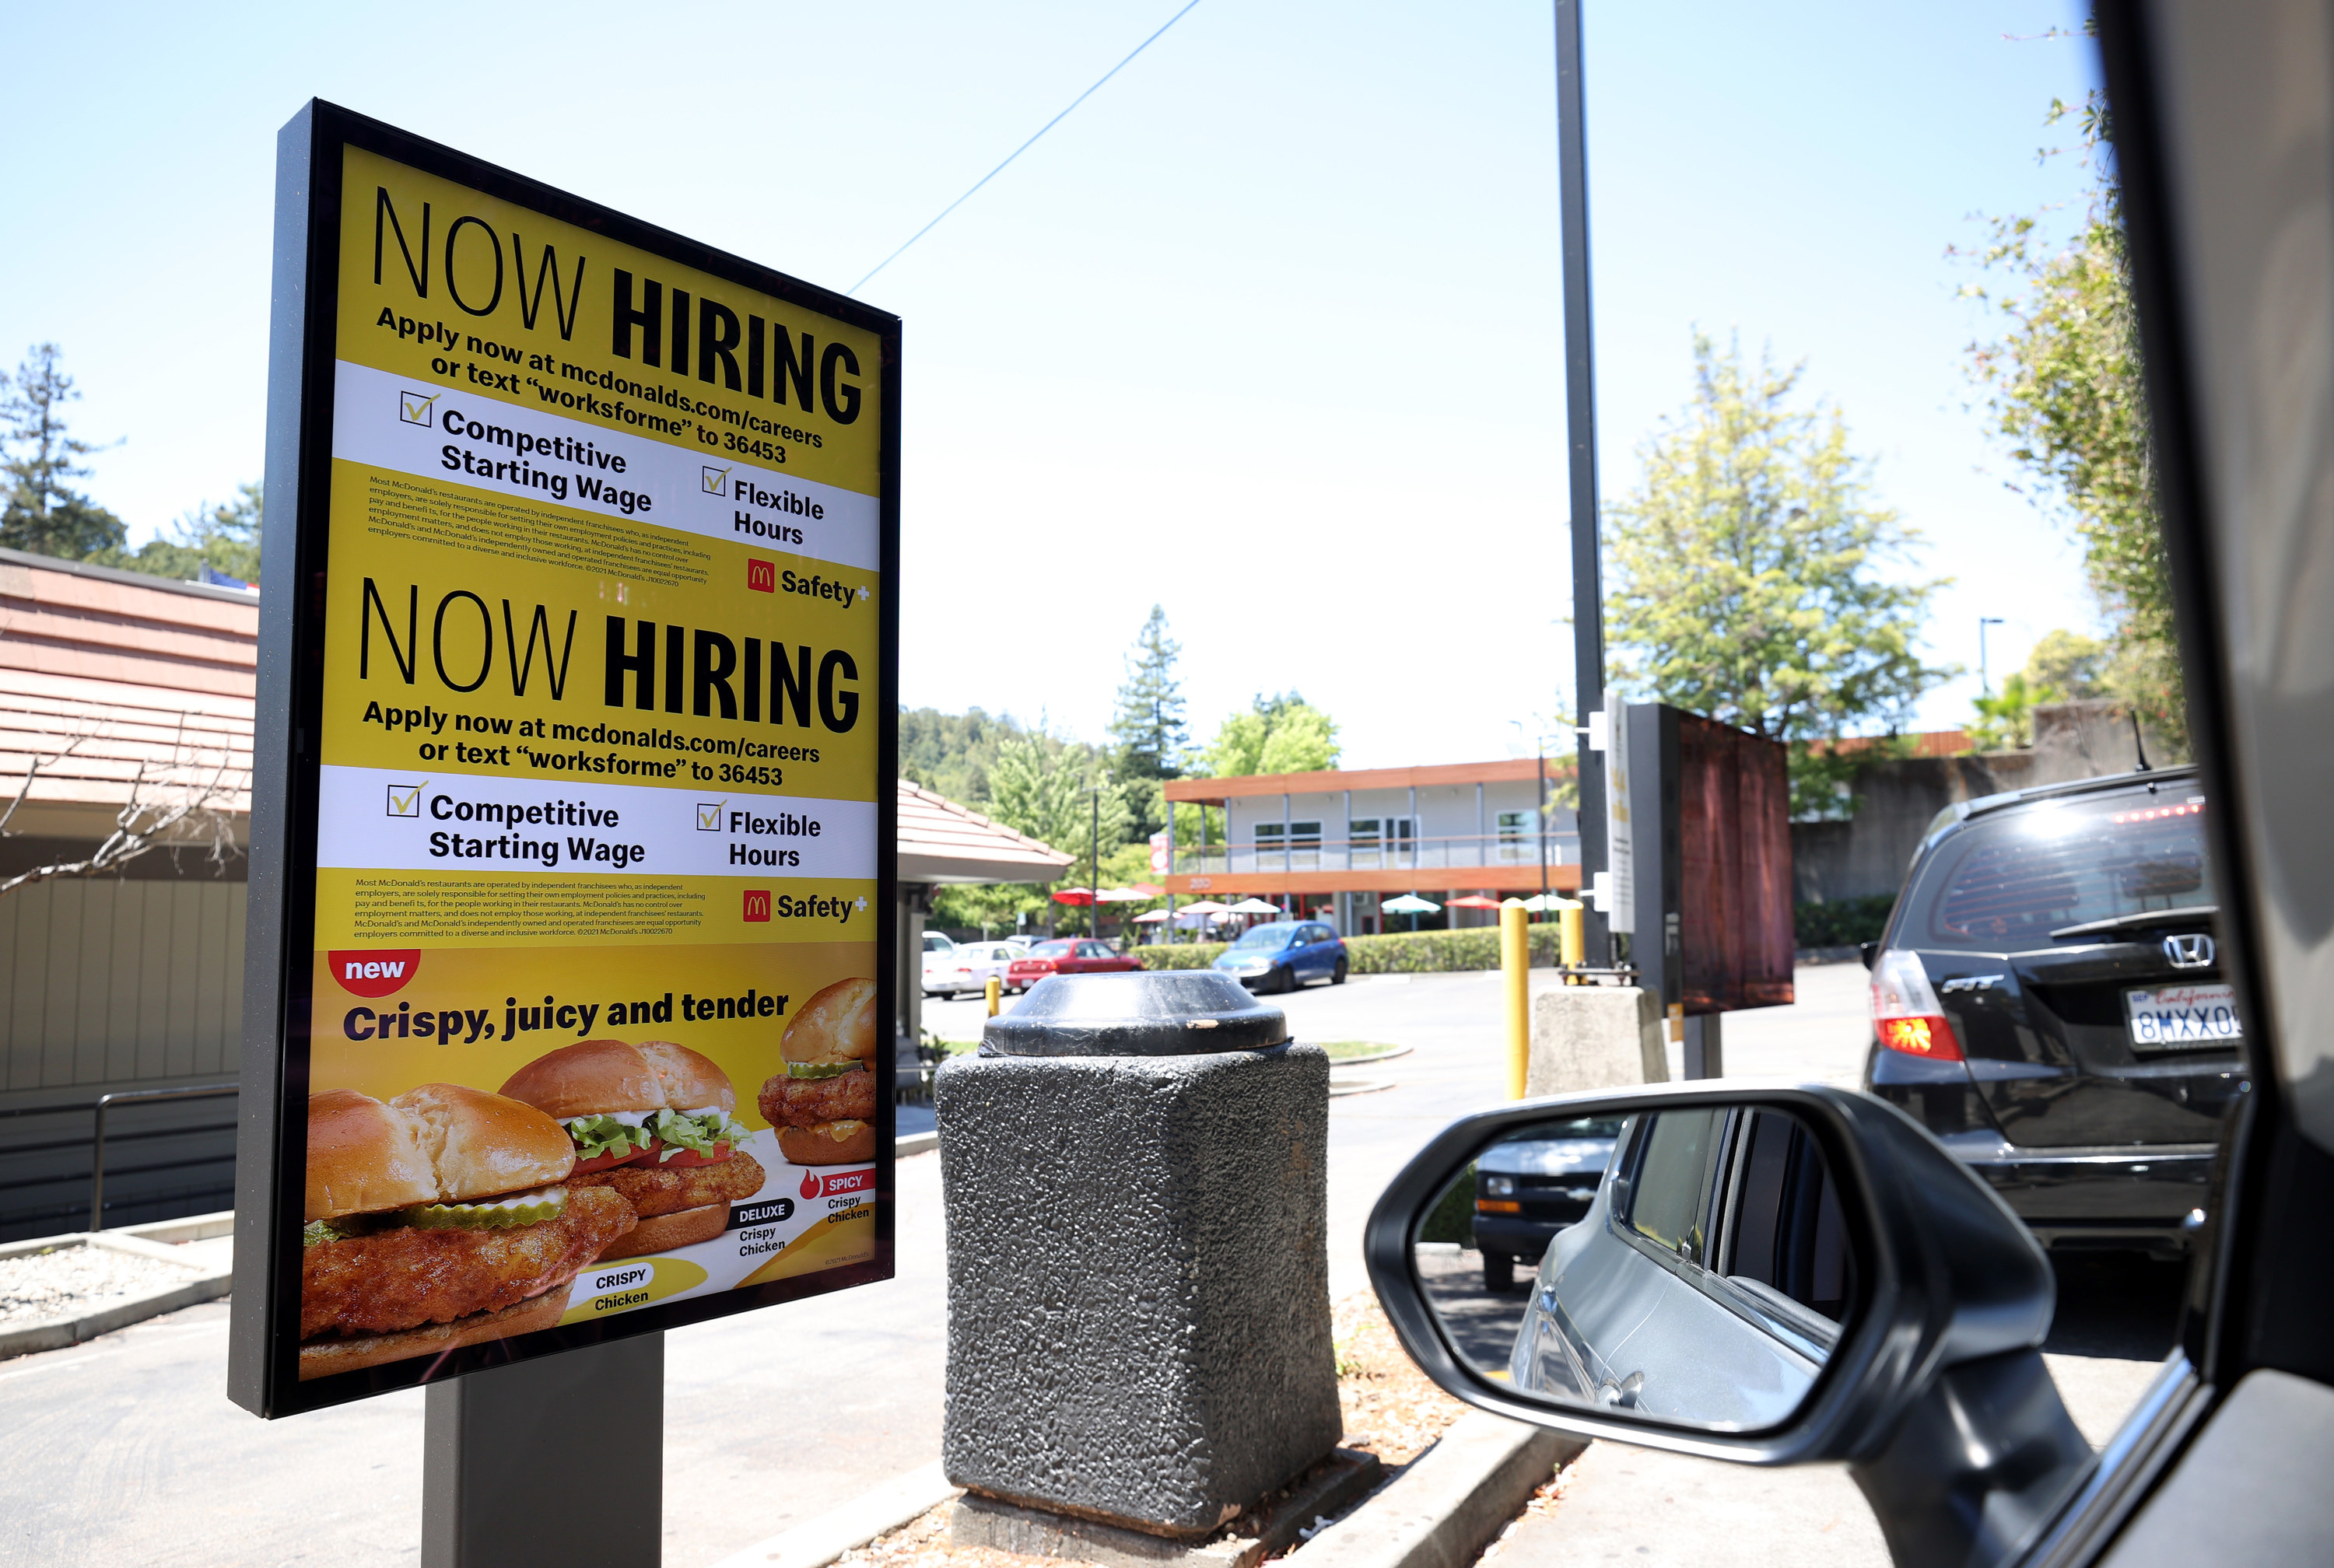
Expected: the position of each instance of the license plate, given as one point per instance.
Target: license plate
(2165, 1017)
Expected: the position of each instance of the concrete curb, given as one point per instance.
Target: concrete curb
(814, 1543)
(915, 1143)
(203, 1283)
(1448, 1502)
(1387, 1055)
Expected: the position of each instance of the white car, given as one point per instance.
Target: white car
(987, 961)
(944, 971)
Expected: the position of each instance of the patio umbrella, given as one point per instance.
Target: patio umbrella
(1254, 906)
(1410, 904)
(1155, 918)
(1548, 903)
(1473, 901)
(1081, 896)
(1206, 907)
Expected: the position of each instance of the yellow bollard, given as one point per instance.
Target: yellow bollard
(1572, 940)
(990, 988)
(1515, 965)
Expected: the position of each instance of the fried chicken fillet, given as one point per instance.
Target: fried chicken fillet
(655, 1190)
(403, 1277)
(806, 1102)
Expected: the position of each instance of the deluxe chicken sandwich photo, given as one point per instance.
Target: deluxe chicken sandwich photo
(440, 1218)
(823, 1104)
(652, 1123)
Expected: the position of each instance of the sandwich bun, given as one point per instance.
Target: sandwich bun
(594, 1077)
(483, 1144)
(362, 1157)
(435, 1143)
(828, 1143)
(669, 1231)
(835, 1028)
(322, 1358)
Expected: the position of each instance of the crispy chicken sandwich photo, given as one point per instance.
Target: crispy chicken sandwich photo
(440, 1218)
(824, 1103)
(652, 1123)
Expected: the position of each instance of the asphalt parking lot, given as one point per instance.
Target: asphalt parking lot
(125, 1448)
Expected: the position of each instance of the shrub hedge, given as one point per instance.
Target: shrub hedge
(1843, 922)
(1396, 952)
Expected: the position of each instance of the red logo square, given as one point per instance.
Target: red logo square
(757, 904)
(762, 576)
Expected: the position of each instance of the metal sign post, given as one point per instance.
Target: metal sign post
(1580, 445)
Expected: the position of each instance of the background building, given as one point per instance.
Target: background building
(1335, 844)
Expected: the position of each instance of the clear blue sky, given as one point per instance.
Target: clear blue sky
(1267, 332)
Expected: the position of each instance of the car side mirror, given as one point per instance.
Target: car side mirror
(1869, 952)
(1774, 1276)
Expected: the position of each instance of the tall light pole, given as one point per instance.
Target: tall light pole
(1093, 867)
(1984, 684)
(1580, 443)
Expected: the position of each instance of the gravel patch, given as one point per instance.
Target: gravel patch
(67, 1282)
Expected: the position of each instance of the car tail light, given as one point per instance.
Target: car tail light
(1905, 1010)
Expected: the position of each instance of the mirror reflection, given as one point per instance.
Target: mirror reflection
(1693, 1264)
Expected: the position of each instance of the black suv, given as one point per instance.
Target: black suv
(2049, 1001)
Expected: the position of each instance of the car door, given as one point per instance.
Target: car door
(1320, 953)
(1635, 1306)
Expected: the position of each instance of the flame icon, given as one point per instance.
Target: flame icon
(811, 1185)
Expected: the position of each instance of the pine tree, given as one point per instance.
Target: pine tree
(42, 514)
(1149, 727)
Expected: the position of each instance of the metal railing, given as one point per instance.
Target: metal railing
(1454, 852)
(96, 1136)
(97, 1139)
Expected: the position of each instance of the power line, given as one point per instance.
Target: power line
(1025, 147)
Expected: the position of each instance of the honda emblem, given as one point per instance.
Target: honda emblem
(2189, 950)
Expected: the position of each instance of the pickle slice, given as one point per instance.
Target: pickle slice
(820, 1069)
(489, 1214)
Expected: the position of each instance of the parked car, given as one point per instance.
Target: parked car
(944, 973)
(1708, 1279)
(986, 961)
(1528, 1188)
(2049, 1000)
(1282, 955)
(1067, 955)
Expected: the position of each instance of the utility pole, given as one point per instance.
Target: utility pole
(1580, 445)
(1983, 622)
(1093, 869)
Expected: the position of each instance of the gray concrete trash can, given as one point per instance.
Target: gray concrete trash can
(1135, 1178)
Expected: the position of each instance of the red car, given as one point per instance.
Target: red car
(1067, 955)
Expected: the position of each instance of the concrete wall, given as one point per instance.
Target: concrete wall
(1867, 855)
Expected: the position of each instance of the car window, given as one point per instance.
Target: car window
(1052, 949)
(1785, 1229)
(2009, 882)
(1674, 1159)
(1093, 950)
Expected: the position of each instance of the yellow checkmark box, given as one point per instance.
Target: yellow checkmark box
(417, 411)
(709, 817)
(714, 478)
(406, 804)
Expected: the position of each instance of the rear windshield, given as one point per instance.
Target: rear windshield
(2008, 881)
(1053, 949)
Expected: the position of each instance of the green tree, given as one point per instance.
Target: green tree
(2063, 667)
(2065, 388)
(1044, 786)
(1277, 733)
(1747, 578)
(2069, 666)
(223, 537)
(44, 513)
(952, 753)
(1149, 727)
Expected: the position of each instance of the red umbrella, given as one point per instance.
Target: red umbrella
(1078, 895)
(1473, 901)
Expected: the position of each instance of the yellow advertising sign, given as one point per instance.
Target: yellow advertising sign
(599, 667)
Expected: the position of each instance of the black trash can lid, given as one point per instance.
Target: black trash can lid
(1171, 1012)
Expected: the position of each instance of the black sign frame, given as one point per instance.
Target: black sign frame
(263, 1371)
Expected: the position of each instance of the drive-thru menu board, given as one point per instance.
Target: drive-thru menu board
(572, 979)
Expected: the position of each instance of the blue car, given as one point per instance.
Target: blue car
(1284, 954)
